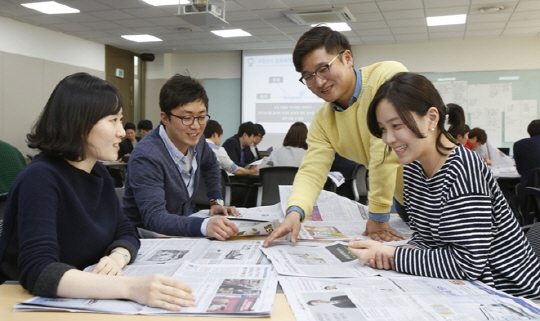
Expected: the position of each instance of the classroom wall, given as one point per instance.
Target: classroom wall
(32, 61)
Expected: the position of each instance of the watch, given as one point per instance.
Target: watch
(217, 201)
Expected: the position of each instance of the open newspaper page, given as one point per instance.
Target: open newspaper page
(261, 213)
(207, 266)
(337, 218)
(396, 299)
(318, 260)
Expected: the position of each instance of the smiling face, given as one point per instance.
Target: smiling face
(104, 138)
(341, 79)
(183, 136)
(401, 138)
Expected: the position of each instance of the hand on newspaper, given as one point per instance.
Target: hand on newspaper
(160, 291)
(227, 210)
(291, 224)
(108, 265)
(377, 255)
(221, 228)
(381, 231)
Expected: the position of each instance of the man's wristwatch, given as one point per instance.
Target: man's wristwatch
(217, 201)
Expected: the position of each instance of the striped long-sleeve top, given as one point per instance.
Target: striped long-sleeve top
(464, 228)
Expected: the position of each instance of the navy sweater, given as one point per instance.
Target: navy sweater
(234, 148)
(464, 229)
(58, 218)
(156, 197)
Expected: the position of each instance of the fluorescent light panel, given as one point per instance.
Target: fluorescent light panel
(457, 19)
(141, 38)
(446, 79)
(231, 33)
(336, 26)
(158, 3)
(50, 7)
(509, 78)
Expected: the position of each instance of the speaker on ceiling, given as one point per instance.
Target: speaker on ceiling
(147, 57)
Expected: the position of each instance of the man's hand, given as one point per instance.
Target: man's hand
(381, 231)
(221, 228)
(227, 210)
(291, 224)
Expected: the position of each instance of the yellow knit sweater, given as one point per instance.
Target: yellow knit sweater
(347, 134)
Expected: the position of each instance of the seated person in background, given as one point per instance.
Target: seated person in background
(459, 132)
(463, 138)
(477, 138)
(491, 154)
(167, 165)
(239, 146)
(293, 149)
(213, 133)
(144, 126)
(62, 213)
(527, 151)
(11, 164)
(258, 139)
(462, 225)
(127, 145)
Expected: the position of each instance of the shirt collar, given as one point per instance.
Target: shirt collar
(356, 93)
(176, 155)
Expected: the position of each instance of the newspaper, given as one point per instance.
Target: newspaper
(335, 217)
(316, 259)
(247, 289)
(261, 213)
(405, 298)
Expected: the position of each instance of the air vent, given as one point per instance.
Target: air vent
(340, 14)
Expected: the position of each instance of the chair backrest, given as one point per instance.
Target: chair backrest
(534, 238)
(360, 183)
(120, 194)
(271, 178)
(200, 200)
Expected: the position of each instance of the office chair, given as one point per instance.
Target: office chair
(533, 235)
(357, 187)
(270, 179)
(200, 201)
(120, 194)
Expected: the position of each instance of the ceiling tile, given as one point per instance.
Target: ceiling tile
(112, 15)
(403, 14)
(133, 23)
(399, 5)
(412, 37)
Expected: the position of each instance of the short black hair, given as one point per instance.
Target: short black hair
(247, 127)
(212, 127)
(76, 104)
(480, 135)
(145, 124)
(260, 130)
(179, 91)
(534, 128)
(317, 37)
(130, 125)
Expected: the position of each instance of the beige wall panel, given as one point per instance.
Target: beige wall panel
(22, 83)
(153, 86)
(97, 73)
(53, 72)
(2, 119)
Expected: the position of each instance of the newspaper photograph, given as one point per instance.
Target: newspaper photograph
(411, 298)
(246, 228)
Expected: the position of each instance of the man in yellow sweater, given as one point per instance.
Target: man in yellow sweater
(324, 59)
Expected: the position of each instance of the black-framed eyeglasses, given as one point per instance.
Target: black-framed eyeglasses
(322, 72)
(189, 120)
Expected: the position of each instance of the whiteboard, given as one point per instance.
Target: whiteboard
(503, 103)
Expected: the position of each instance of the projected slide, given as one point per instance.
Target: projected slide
(272, 94)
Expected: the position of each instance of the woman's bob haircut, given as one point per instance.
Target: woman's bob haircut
(77, 103)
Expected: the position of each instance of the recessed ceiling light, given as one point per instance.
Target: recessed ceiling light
(158, 3)
(509, 78)
(491, 9)
(141, 38)
(231, 33)
(336, 26)
(457, 19)
(50, 7)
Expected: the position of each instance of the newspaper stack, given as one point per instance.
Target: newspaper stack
(248, 289)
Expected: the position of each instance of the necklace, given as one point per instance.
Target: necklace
(436, 165)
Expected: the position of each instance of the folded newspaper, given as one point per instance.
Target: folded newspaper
(248, 289)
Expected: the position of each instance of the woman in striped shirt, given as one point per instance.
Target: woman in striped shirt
(463, 226)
